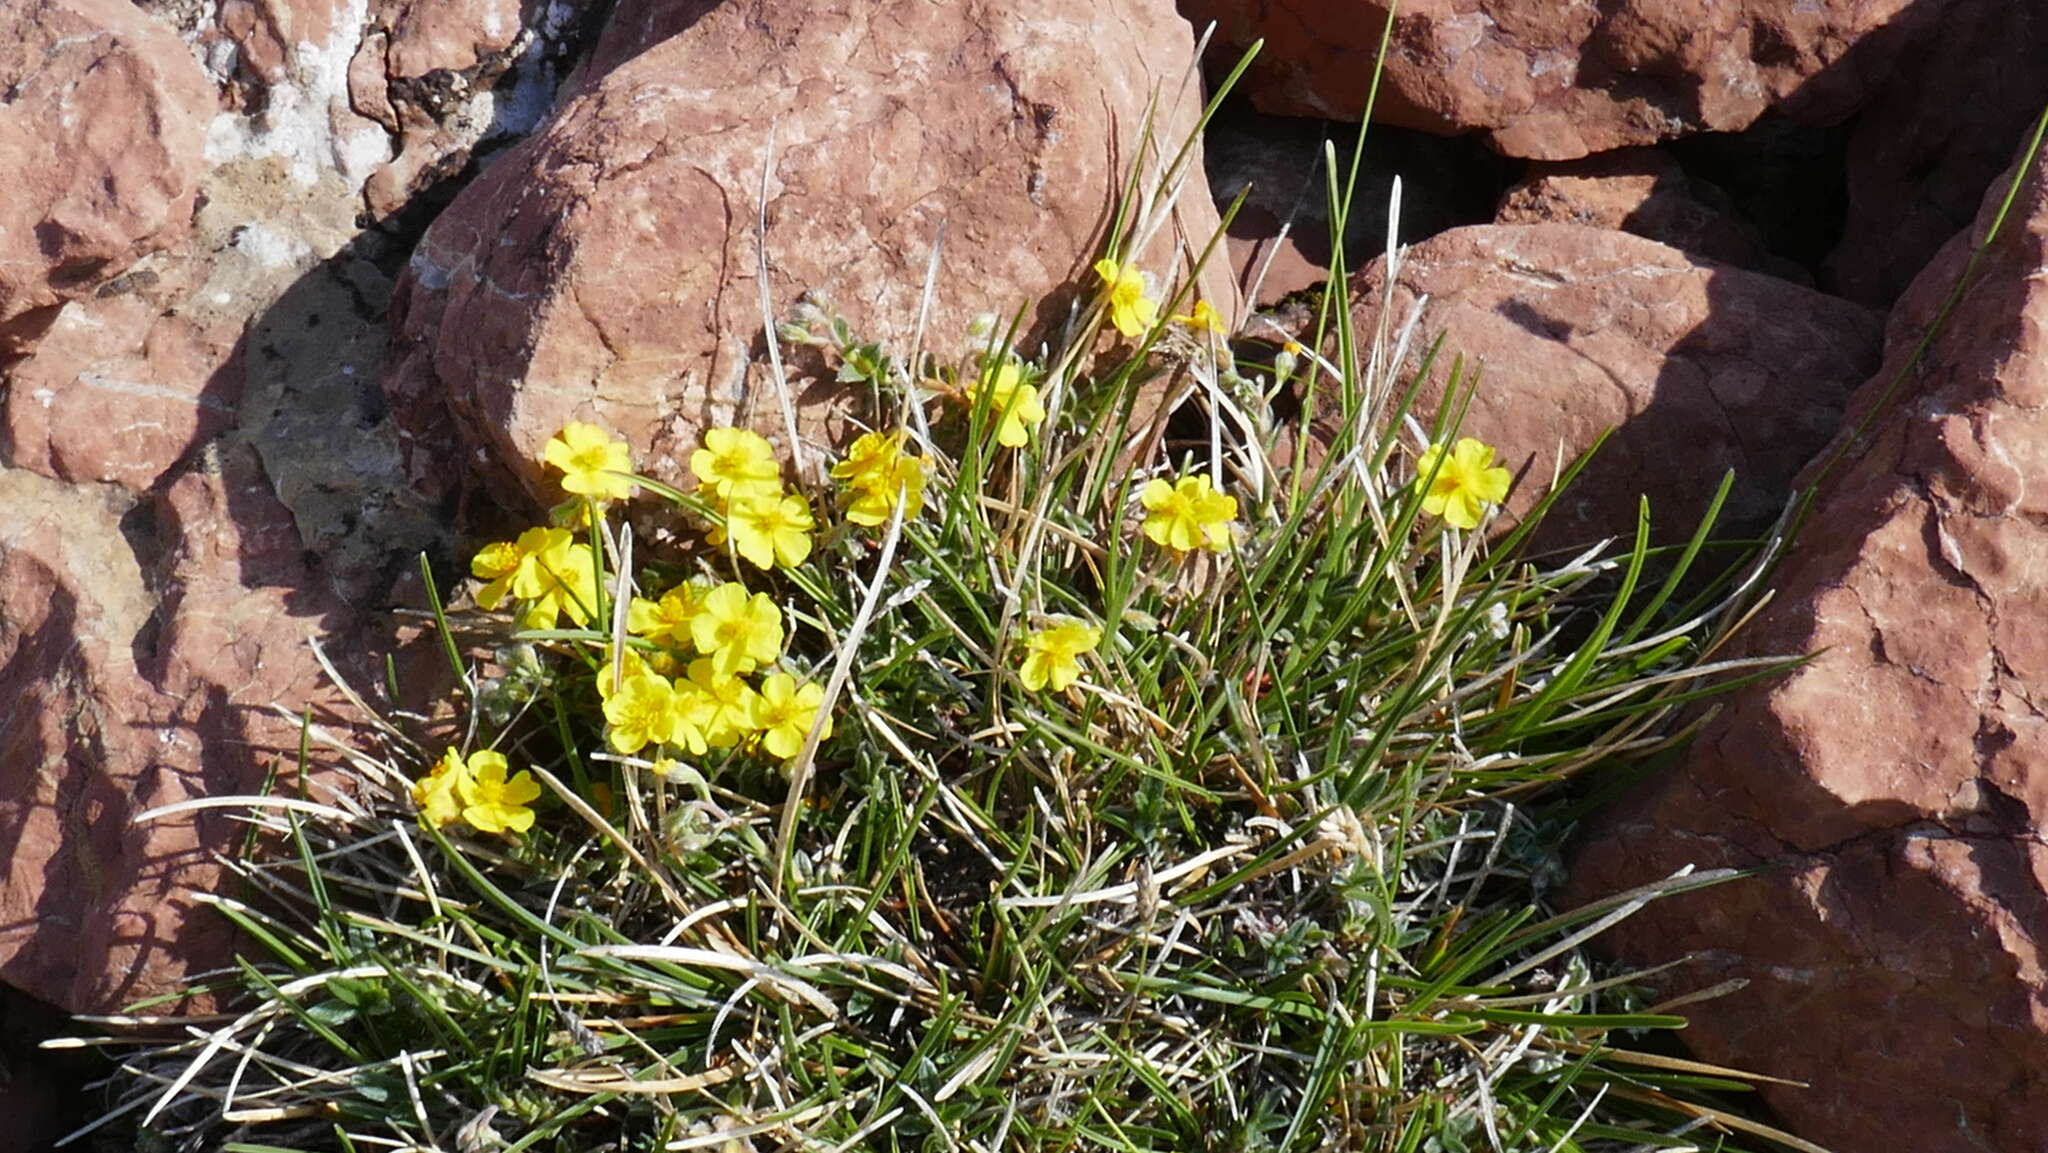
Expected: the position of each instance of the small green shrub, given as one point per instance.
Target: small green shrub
(1040, 779)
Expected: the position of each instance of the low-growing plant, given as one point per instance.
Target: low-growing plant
(1037, 774)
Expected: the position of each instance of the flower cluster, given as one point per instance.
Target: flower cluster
(475, 789)
(698, 669)
(680, 684)
(877, 473)
(701, 666)
(737, 470)
(547, 570)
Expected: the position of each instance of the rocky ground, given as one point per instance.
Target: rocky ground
(292, 290)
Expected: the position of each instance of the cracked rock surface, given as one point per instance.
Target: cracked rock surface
(1894, 787)
(1699, 367)
(605, 269)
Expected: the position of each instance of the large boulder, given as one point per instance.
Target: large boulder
(199, 470)
(102, 134)
(1892, 789)
(142, 645)
(605, 269)
(1549, 80)
(1699, 367)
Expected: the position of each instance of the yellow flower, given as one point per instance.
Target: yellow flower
(631, 664)
(666, 619)
(784, 712)
(873, 506)
(1466, 481)
(875, 470)
(1205, 318)
(727, 705)
(1129, 308)
(591, 461)
(1187, 514)
(640, 713)
(738, 632)
(563, 579)
(507, 564)
(690, 712)
(869, 459)
(768, 529)
(492, 804)
(735, 462)
(1014, 403)
(1053, 656)
(435, 793)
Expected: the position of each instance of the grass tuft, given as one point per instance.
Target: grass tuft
(1271, 874)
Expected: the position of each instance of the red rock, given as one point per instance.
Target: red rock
(129, 379)
(369, 88)
(440, 35)
(199, 477)
(448, 77)
(203, 425)
(123, 384)
(289, 66)
(263, 32)
(144, 642)
(1894, 785)
(1700, 368)
(1646, 192)
(1551, 80)
(102, 134)
(131, 684)
(634, 26)
(605, 268)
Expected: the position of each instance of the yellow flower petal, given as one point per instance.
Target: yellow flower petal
(1052, 656)
(590, 461)
(1187, 514)
(736, 462)
(1130, 310)
(1466, 481)
(770, 530)
(784, 712)
(1014, 403)
(738, 631)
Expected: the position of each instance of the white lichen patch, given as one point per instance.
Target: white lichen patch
(307, 120)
